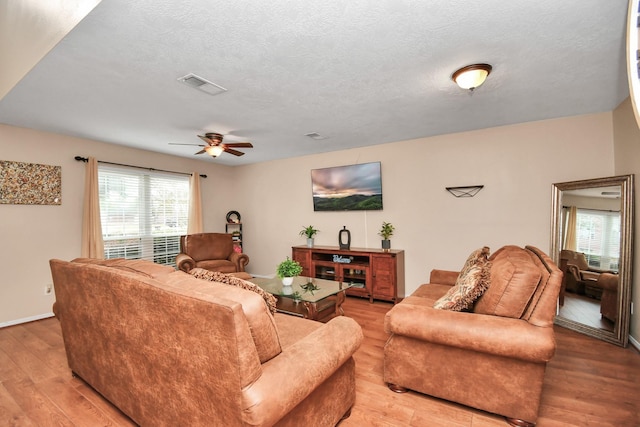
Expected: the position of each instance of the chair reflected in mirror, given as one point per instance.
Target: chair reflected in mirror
(579, 277)
(588, 287)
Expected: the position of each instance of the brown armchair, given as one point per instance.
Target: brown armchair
(577, 272)
(211, 251)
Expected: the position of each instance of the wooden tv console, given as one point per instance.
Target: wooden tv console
(374, 273)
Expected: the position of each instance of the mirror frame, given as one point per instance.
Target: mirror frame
(620, 334)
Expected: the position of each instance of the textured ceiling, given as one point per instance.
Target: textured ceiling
(358, 72)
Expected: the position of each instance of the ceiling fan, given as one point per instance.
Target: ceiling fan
(214, 145)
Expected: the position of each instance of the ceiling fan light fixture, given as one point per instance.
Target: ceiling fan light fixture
(471, 76)
(214, 150)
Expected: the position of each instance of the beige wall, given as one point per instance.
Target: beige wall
(516, 164)
(31, 235)
(29, 29)
(627, 161)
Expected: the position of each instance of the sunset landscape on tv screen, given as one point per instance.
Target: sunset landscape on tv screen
(347, 188)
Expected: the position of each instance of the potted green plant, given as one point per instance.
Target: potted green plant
(287, 270)
(309, 232)
(386, 231)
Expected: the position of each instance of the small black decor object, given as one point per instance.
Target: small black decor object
(342, 235)
(233, 217)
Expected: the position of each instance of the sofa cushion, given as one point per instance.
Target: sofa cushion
(472, 281)
(221, 265)
(430, 292)
(514, 279)
(260, 320)
(216, 276)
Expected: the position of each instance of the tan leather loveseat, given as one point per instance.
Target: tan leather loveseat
(492, 358)
(169, 349)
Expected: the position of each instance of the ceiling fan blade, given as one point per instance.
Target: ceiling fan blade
(199, 152)
(179, 143)
(232, 151)
(238, 144)
(205, 139)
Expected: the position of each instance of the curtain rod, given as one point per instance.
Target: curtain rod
(592, 209)
(85, 159)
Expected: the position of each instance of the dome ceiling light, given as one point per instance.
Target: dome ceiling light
(214, 151)
(471, 76)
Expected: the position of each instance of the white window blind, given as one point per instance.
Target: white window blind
(598, 236)
(143, 213)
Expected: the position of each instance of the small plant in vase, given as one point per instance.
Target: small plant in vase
(385, 232)
(287, 270)
(310, 232)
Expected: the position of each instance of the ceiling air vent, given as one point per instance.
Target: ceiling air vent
(316, 136)
(204, 85)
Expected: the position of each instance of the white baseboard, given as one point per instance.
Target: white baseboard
(26, 320)
(634, 342)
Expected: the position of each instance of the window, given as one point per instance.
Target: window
(143, 213)
(598, 236)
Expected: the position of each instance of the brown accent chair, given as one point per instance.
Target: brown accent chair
(578, 272)
(169, 349)
(578, 276)
(492, 358)
(608, 282)
(211, 251)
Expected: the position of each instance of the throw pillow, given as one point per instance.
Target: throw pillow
(473, 280)
(216, 276)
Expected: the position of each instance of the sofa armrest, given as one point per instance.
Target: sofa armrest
(501, 336)
(598, 270)
(240, 260)
(608, 282)
(443, 277)
(574, 271)
(185, 263)
(305, 365)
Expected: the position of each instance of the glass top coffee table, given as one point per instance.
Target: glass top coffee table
(312, 298)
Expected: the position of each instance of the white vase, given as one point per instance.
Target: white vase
(309, 242)
(287, 281)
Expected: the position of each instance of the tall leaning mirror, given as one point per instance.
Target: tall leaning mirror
(591, 242)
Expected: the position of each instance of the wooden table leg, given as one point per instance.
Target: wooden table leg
(340, 297)
(312, 310)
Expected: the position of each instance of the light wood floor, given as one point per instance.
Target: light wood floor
(588, 383)
(582, 309)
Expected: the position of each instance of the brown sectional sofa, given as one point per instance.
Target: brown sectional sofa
(492, 358)
(169, 349)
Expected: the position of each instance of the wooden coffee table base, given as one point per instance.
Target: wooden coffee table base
(323, 310)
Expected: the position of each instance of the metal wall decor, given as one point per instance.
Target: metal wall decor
(233, 217)
(30, 184)
(467, 191)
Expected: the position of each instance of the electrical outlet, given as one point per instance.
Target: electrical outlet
(632, 308)
(48, 288)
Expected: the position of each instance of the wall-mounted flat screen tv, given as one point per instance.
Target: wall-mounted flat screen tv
(347, 188)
